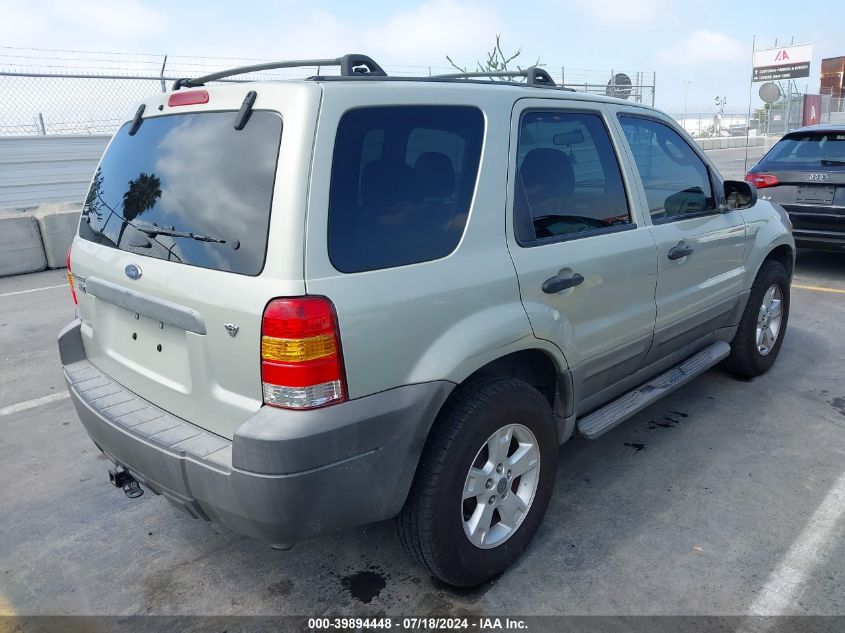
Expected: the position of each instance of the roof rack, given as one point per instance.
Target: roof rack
(534, 75)
(352, 65)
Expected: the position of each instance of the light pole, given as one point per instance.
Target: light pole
(686, 85)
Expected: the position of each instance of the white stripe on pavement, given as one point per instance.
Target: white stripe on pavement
(780, 593)
(23, 292)
(31, 404)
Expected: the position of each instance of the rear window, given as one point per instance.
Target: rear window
(402, 184)
(188, 188)
(808, 150)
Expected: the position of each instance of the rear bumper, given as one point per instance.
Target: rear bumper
(821, 227)
(285, 476)
(822, 240)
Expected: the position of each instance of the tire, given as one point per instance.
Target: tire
(432, 523)
(747, 359)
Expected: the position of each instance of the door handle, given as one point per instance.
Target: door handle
(679, 251)
(558, 283)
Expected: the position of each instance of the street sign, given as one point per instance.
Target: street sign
(619, 86)
(786, 62)
(812, 110)
(769, 92)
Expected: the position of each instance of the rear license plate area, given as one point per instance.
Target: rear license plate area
(146, 346)
(815, 194)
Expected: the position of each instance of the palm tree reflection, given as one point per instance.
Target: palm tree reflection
(142, 195)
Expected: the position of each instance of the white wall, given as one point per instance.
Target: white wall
(39, 169)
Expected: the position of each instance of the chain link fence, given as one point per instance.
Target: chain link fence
(46, 91)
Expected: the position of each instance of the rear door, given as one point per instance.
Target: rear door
(700, 243)
(585, 261)
(189, 228)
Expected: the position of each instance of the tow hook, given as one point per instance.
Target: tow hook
(119, 477)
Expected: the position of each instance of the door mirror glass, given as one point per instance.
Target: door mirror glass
(739, 194)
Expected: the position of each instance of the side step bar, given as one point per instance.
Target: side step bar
(610, 415)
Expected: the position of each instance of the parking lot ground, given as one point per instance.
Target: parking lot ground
(727, 497)
(732, 163)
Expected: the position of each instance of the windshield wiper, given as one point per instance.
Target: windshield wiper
(832, 161)
(155, 231)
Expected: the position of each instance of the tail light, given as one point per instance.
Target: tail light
(761, 181)
(301, 362)
(70, 278)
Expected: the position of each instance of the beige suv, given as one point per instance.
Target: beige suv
(314, 304)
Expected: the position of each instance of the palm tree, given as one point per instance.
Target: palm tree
(92, 201)
(143, 193)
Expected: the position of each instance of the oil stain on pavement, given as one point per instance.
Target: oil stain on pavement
(365, 585)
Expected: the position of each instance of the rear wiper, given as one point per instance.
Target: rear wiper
(832, 161)
(155, 231)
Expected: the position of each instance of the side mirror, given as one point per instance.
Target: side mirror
(740, 194)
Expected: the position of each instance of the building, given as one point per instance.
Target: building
(833, 77)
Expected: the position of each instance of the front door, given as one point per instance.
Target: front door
(586, 263)
(700, 243)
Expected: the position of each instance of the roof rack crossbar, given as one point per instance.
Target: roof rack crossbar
(353, 65)
(533, 75)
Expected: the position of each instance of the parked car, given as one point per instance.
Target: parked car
(310, 305)
(805, 173)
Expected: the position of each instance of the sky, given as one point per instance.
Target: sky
(697, 47)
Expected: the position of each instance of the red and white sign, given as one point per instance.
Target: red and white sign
(812, 110)
(786, 62)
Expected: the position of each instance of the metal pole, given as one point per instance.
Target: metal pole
(161, 74)
(788, 106)
(41, 129)
(750, 97)
(653, 86)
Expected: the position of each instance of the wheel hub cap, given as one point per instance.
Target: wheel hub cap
(500, 486)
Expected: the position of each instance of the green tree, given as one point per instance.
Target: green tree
(143, 193)
(495, 61)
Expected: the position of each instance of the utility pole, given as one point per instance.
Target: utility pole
(686, 85)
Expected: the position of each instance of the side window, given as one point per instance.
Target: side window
(402, 184)
(568, 178)
(676, 180)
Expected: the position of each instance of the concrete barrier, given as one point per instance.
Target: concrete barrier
(57, 223)
(21, 250)
(729, 142)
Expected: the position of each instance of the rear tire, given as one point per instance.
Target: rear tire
(763, 325)
(455, 524)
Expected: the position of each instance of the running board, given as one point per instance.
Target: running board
(602, 420)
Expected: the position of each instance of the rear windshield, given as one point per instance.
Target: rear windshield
(188, 188)
(402, 184)
(808, 150)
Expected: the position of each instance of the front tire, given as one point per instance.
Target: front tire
(483, 483)
(758, 340)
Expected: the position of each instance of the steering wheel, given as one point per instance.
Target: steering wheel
(542, 223)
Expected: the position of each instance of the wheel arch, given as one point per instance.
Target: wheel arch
(784, 254)
(541, 365)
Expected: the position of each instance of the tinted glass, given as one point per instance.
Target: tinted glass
(402, 184)
(808, 151)
(676, 180)
(568, 178)
(188, 188)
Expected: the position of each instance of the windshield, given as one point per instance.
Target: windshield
(188, 188)
(808, 151)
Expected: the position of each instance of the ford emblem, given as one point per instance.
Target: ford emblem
(132, 271)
